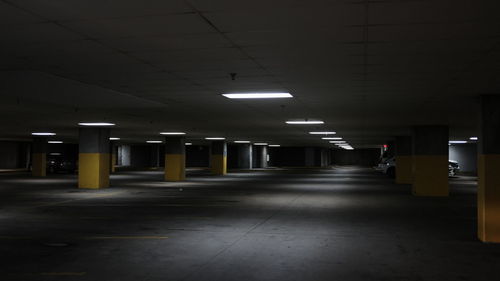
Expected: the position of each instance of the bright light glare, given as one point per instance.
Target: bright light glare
(260, 143)
(172, 133)
(258, 96)
(43, 134)
(274, 145)
(473, 138)
(305, 122)
(241, 141)
(55, 141)
(114, 138)
(215, 138)
(331, 138)
(99, 124)
(458, 141)
(154, 141)
(322, 133)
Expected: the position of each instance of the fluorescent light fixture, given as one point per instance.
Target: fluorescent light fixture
(172, 133)
(340, 141)
(323, 133)
(215, 138)
(305, 122)
(97, 124)
(473, 138)
(457, 141)
(55, 141)
(260, 143)
(55, 153)
(258, 96)
(188, 143)
(241, 141)
(274, 145)
(114, 138)
(43, 134)
(154, 141)
(331, 138)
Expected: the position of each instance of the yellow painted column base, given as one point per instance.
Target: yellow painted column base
(488, 197)
(39, 164)
(430, 175)
(404, 169)
(93, 170)
(219, 164)
(175, 167)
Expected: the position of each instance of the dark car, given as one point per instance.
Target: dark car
(58, 163)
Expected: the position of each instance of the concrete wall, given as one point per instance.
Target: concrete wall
(466, 155)
(298, 157)
(361, 157)
(124, 155)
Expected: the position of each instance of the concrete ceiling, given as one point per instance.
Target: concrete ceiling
(369, 69)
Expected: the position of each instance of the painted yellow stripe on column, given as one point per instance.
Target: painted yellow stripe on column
(39, 164)
(488, 197)
(404, 169)
(175, 167)
(430, 175)
(93, 170)
(219, 164)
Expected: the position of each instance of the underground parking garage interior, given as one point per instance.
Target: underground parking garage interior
(249, 140)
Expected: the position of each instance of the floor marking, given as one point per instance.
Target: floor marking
(125, 237)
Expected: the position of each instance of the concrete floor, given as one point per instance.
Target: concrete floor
(345, 223)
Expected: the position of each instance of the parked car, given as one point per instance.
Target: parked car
(57, 163)
(388, 167)
(453, 168)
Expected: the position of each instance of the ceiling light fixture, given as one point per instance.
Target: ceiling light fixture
(457, 141)
(260, 143)
(258, 96)
(322, 133)
(215, 138)
(473, 138)
(55, 141)
(274, 145)
(338, 142)
(114, 138)
(241, 141)
(43, 134)
(96, 124)
(172, 133)
(154, 141)
(188, 143)
(305, 122)
(331, 138)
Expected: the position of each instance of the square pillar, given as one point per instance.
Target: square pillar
(218, 160)
(39, 157)
(488, 193)
(245, 156)
(175, 159)
(404, 160)
(93, 158)
(430, 161)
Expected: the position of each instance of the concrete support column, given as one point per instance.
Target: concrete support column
(404, 160)
(218, 159)
(430, 161)
(488, 194)
(175, 158)
(39, 158)
(245, 156)
(261, 156)
(94, 158)
(113, 160)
